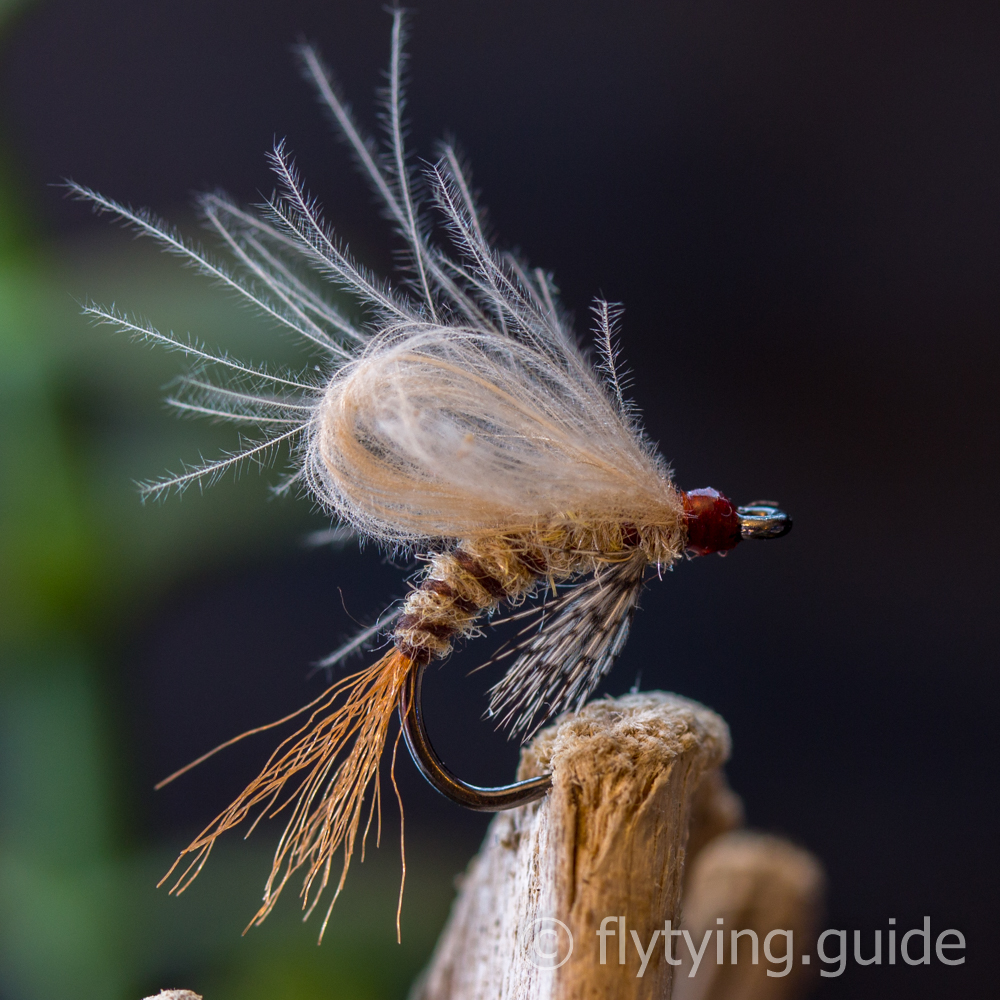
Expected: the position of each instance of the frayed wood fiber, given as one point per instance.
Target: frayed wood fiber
(608, 841)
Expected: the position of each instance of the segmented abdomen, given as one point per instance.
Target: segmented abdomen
(477, 575)
(459, 586)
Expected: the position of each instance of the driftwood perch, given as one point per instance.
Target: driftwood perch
(604, 851)
(573, 897)
(750, 882)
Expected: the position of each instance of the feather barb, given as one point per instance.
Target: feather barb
(331, 785)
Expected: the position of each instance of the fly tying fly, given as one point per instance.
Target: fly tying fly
(460, 421)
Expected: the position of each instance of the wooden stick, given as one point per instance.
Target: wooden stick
(715, 809)
(750, 882)
(603, 852)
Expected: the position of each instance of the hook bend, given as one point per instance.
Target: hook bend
(434, 770)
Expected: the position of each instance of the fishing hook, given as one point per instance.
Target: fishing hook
(759, 520)
(434, 770)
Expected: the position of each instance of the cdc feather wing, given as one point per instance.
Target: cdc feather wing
(458, 432)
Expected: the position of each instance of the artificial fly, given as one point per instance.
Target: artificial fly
(460, 422)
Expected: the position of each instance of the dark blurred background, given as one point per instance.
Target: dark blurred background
(799, 206)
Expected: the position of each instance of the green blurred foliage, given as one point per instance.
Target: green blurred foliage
(80, 559)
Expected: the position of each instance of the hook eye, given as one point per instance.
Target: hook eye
(434, 770)
(763, 519)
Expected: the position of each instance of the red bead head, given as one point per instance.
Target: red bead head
(713, 525)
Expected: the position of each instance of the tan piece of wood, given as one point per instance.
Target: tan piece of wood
(715, 809)
(604, 850)
(751, 882)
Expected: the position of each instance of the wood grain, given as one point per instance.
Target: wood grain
(607, 845)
